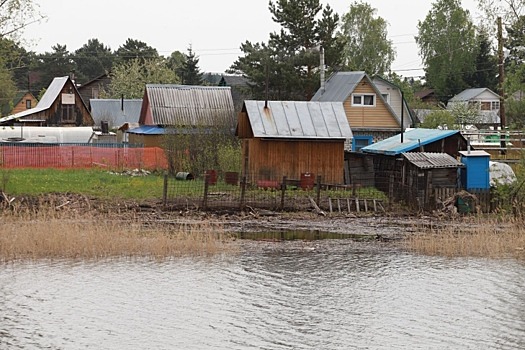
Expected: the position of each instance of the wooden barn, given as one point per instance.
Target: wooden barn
(289, 138)
(61, 105)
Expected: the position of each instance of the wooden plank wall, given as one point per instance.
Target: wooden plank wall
(273, 159)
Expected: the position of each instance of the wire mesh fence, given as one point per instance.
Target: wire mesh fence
(224, 190)
(66, 155)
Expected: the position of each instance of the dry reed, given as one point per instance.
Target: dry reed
(52, 235)
(479, 237)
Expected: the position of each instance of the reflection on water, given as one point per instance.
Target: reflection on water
(330, 294)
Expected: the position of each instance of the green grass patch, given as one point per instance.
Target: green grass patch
(95, 182)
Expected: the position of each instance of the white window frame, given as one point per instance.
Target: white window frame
(386, 97)
(362, 97)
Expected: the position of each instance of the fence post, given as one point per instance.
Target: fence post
(283, 192)
(165, 191)
(206, 187)
(243, 193)
(318, 190)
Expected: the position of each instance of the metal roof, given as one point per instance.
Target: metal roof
(426, 160)
(50, 96)
(412, 139)
(339, 86)
(148, 130)
(190, 105)
(469, 94)
(298, 119)
(115, 111)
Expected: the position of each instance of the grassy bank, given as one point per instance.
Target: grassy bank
(50, 236)
(90, 182)
(479, 237)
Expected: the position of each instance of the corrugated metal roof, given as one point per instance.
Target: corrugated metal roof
(339, 86)
(51, 94)
(469, 94)
(190, 105)
(111, 110)
(426, 160)
(298, 119)
(412, 139)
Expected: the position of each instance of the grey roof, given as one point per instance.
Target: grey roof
(190, 105)
(339, 86)
(342, 84)
(116, 112)
(51, 94)
(298, 119)
(469, 94)
(426, 160)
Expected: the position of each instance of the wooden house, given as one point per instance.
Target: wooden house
(370, 116)
(427, 96)
(93, 88)
(484, 101)
(289, 138)
(182, 109)
(61, 105)
(23, 101)
(393, 95)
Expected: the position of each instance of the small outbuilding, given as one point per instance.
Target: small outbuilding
(291, 138)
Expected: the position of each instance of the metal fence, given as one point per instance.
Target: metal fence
(66, 155)
(218, 190)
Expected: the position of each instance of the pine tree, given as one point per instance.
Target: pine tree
(190, 73)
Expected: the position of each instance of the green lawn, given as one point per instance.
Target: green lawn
(94, 182)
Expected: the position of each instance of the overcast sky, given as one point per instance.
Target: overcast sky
(214, 28)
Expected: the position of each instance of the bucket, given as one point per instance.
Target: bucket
(307, 181)
(212, 177)
(184, 176)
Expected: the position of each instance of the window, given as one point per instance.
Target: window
(359, 142)
(495, 105)
(28, 104)
(386, 97)
(364, 100)
(68, 114)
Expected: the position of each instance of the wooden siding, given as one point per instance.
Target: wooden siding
(273, 159)
(369, 117)
(244, 129)
(21, 105)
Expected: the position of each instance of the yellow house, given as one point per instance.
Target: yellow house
(367, 109)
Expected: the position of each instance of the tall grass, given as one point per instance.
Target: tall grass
(480, 237)
(51, 236)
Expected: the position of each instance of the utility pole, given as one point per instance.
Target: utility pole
(501, 80)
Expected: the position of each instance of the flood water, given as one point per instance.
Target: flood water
(330, 294)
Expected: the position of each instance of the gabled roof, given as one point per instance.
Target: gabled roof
(116, 112)
(339, 86)
(412, 139)
(50, 96)
(424, 93)
(298, 119)
(469, 94)
(342, 84)
(427, 160)
(188, 105)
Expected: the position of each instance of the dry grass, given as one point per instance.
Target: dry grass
(480, 237)
(52, 235)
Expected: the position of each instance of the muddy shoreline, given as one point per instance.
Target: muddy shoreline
(390, 225)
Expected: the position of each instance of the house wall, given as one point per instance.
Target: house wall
(54, 114)
(273, 159)
(372, 117)
(21, 105)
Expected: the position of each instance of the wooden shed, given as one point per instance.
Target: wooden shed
(61, 105)
(427, 177)
(290, 138)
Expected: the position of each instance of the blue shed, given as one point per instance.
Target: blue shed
(475, 175)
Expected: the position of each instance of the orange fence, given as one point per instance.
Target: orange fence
(111, 156)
